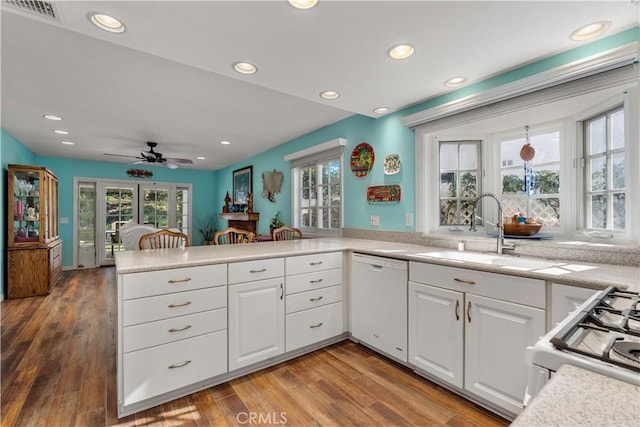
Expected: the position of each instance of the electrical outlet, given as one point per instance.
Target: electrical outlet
(374, 220)
(408, 219)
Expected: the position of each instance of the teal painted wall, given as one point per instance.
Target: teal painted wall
(203, 197)
(11, 152)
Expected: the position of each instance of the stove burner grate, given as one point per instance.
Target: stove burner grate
(628, 349)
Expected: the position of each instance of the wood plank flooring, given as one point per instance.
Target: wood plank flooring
(58, 369)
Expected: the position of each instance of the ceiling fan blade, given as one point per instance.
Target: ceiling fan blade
(122, 155)
(137, 162)
(185, 161)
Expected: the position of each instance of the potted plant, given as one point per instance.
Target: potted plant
(207, 227)
(276, 222)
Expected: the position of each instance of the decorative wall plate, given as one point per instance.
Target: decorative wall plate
(378, 194)
(392, 164)
(362, 158)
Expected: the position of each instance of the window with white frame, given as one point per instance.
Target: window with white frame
(585, 172)
(604, 167)
(460, 181)
(316, 188)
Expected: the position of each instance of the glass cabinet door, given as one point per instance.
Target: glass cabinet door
(26, 207)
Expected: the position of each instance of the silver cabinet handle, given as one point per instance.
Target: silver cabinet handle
(179, 365)
(179, 305)
(316, 263)
(262, 270)
(173, 281)
(180, 329)
(281, 291)
(315, 281)
(316, 326)
(316, 299)
(457, 308)
(465, 281)
(469, 311)
(399, 349)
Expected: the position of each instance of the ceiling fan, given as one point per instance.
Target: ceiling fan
(154, 157)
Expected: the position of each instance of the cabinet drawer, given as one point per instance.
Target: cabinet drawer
(142, 310)
(249, 271)
(315, 280)
(139, 285)
(311, 326)
(165, 368)
(315, 262)
(165, 331)
(315, 298)
(516, 289)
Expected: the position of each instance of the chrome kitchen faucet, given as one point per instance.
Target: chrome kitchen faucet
(500, 243)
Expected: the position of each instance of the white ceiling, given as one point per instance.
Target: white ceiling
(168, 78)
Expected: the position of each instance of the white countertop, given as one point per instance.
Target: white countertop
(578, 397)
(590, 275)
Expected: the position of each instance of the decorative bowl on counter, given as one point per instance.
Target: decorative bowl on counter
(515, 229)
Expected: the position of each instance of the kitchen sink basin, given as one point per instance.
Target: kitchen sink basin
(505, 261)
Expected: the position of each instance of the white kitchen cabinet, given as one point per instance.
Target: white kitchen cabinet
(436, 328)
(496, 337)
(172, 333)
(565, 299)
(502, 315)
(256, 321)
(378, 303)
(314, 294)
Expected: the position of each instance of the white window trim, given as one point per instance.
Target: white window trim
(426, 137)
(329, 150)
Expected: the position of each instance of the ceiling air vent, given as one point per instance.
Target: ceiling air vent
(44, 9)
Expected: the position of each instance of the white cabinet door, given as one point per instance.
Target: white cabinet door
(436, 326)
(256, 322)
(565, 299)
(379, 307)
(497, 335)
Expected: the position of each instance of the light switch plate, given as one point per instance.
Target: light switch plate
(374, 220)
(408, 219)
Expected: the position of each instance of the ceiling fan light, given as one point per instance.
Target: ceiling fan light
(106, 22)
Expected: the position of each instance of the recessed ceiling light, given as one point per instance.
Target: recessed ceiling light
(245, 68)
(456, 81)
(200, 158)
(52, 117)
(303, 4)
(329, 94)
(590, 31)
(225, 142)
(381, 110)
(67, 142)
(401, 51)
(106, 22)
(61, 132)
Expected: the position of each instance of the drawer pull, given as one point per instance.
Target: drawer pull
(262, 270)
(179, 305)
(457, 308)
(180, 329)
(399, 349)
(316, 326)
(316, 299)
(179, 365)
(468, 282)
(316, 263)
(469, 311)
(315, 281)
(281, 291)
(172, 281)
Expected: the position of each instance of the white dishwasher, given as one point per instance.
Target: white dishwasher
(378, 303)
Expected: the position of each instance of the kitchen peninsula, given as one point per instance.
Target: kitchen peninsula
(218, 286)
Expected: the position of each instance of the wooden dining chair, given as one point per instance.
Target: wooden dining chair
(286, 233)
(164, 239)
(231, 236)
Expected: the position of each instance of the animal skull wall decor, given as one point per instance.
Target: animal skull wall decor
(271, 184)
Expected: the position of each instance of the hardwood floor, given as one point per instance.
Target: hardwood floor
(58, 369)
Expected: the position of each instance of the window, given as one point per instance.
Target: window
(539, 195)
(316, 191)
(459, 181)
(605, 183)
(320, 196)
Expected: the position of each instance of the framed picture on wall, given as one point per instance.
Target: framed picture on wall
(242, 185)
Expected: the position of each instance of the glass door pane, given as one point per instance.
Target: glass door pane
(119, 209)
(86, 223)
(155, 207)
